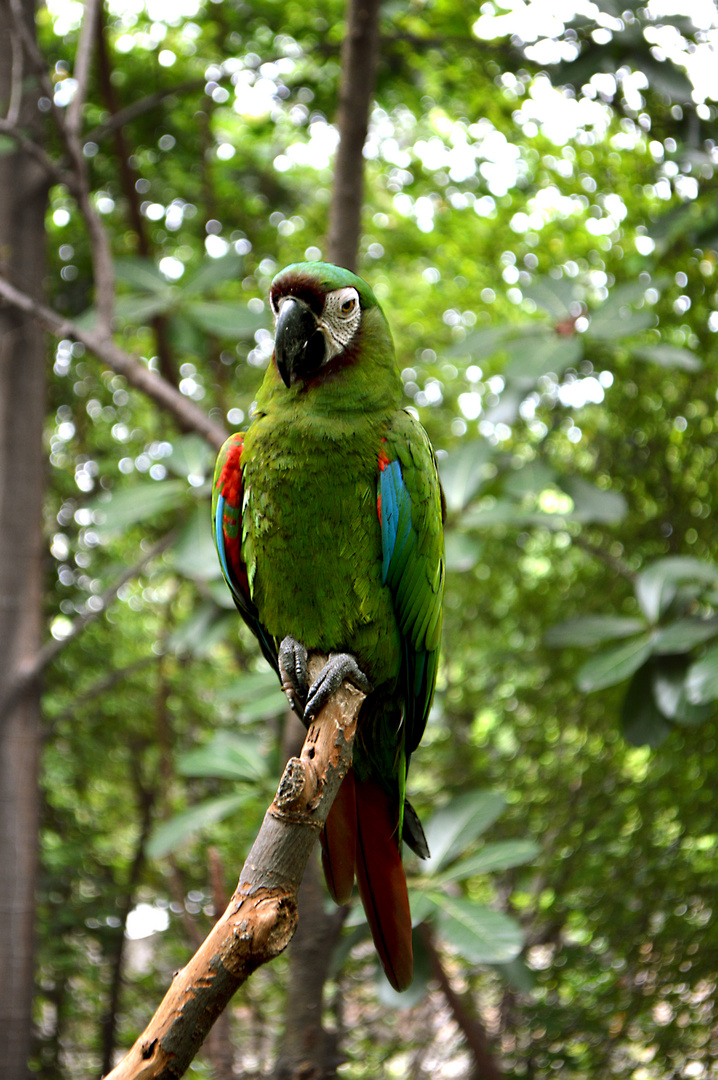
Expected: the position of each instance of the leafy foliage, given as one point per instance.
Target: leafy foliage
(547, 259)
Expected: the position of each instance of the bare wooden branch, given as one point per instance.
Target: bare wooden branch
(69, 129)
(83, 64)
(262, 914)
(184, 410)
(15, 102)
(360, 52)
(54, 172)
(485, 1065)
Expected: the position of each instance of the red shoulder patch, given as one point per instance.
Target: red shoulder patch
(229, 481)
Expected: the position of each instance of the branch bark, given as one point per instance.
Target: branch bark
(484, 1065)
(262, 914)
(183, 409)
(22, 473)
(360, 53)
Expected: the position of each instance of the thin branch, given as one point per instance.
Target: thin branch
(184, 410)
(15, 102)
(51, 649)
(103, 272)
(128, 177)
(53, 170)
(485, 1067)
(83, 64)
(144, 105)
(102, 686)
(620, 567)
(261, 917)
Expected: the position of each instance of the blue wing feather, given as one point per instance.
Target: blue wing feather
(412, 567)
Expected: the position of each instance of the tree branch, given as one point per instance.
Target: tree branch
(54, 172)
(485, 1067)
(184, 410)
(69, 129)
(262, 914)
(360, 53)
(83, 63)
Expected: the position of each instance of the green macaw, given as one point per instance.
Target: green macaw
(328, 521)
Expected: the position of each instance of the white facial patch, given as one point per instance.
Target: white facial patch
(340, 319)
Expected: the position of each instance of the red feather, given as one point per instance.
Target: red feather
(338, 840)
(381, 881)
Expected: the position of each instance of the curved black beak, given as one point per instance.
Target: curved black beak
(299, 345)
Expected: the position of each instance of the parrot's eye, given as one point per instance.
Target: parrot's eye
(342, 304)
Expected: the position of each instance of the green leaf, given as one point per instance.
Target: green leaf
(479, 935)
(502, 855)
(194, 555)
(614, 665)
(589, 630)
(463, 471)
(484, 342)
(669, 356)
(141, 274)
(553, 295)
(642, 723)
(228, 756)
(530, 358)
(171, 834)
(453, 828)
(664, 76)
(518, 975)
(656, 586)
(218, 590)
(222, 319)
(137, 502)
(530, 478)
(258, 696)
(671, 693)
(141, 308)
(200, 632)
(702, 678)
(213, 272)
(191, 456)
(683, 635)
(462, 551)
(610, 324)
(591, 503)
(250, 687)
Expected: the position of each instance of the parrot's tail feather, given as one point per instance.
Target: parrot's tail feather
(338, 840)
(381, 881)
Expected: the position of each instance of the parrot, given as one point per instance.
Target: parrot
(327, 516)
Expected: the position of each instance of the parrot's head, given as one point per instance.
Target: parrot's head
(325, 319)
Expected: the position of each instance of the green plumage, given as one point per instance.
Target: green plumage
(328, 519)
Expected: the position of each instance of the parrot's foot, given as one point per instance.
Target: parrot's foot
(339, 666)
(294, 673)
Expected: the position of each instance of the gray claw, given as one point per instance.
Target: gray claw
(339, 666)
(294, 673)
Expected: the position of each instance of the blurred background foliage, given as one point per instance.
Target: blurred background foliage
(540, 227)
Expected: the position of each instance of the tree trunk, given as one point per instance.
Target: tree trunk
(360, 52)
(22, 410)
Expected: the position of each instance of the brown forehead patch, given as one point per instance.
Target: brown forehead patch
(303, 286)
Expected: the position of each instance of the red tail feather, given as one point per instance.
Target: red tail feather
(381, 881)
(338, 840)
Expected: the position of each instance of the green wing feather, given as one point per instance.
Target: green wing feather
(413, 546)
